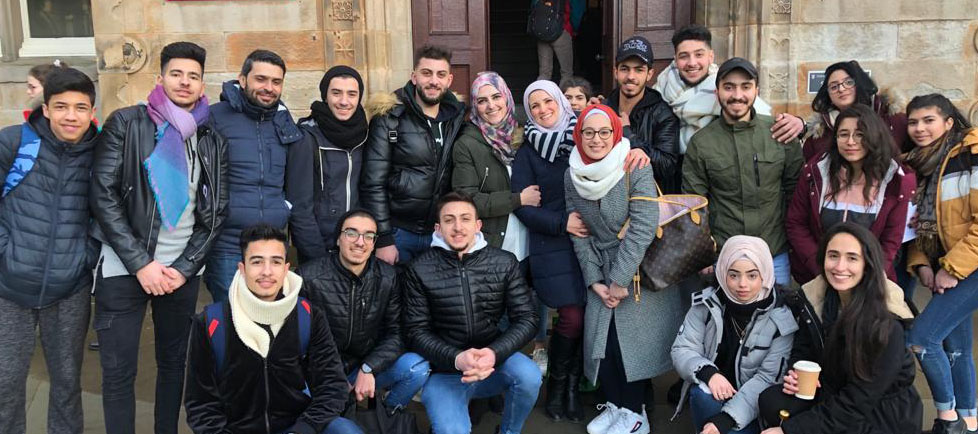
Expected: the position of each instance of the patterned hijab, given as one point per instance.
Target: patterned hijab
(499, 136)
(549, 142)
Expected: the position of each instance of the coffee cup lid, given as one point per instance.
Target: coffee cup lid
(805, 365)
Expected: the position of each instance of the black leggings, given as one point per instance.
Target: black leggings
(613, 380)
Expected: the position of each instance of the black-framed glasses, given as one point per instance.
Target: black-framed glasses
(845, 84)
(352, 235)
(604, 133)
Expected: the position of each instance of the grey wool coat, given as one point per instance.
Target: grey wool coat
(647, 328)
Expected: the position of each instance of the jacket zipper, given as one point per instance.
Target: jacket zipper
(261, 170)
(214, 196)
(152, 220)
(349, 174)
(268, 396)
(757, 171)
(54, 228)
(485, 176)
(353, 311)
(467, 295)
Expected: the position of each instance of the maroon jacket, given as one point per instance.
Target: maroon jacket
(822, 135)
(804, 224)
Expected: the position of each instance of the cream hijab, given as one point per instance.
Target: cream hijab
(754, 250)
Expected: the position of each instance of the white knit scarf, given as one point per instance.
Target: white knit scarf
(248, 311)
(593, 181)
(695, 106)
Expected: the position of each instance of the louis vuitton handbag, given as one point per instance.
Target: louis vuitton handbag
(682, 244)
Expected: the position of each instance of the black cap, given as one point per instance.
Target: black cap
(636, 46)
(736, 63)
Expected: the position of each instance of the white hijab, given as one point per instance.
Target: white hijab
(593, 181)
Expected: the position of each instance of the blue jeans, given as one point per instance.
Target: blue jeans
(941, 340)
(446, 397)
(342, 425)
(782, 270)
(410, 244)
(703, 407)
(219, 273)
(404, 378)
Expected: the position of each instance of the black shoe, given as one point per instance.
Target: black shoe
(93, 345)
(942, 426)
(572, 402)
(560, 352)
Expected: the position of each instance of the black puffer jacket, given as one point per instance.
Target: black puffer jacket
(264, 395)
(452, 305)
(46, 253)
(123, 203)
(404, 169)
(655, 129)
(364, 311)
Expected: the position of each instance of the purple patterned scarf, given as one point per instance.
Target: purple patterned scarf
(499, 136)
(167, 167)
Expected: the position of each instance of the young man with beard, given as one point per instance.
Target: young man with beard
(455, 296)
(332, 152)
(407, 160)
(263, 361)
(159, 196)
(260, 132)
(746, 174)
(362, 301)
(648, 121)
(688, 84)
(47, 250)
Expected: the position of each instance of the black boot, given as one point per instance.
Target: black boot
(949, 427)
(559, 354)
(575, 366)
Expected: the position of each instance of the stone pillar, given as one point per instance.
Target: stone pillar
(389, 57)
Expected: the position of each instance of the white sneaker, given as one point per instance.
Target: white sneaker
(601, 423)
(629, 422)
(540, 358)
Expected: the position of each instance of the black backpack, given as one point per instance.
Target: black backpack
(546, 21)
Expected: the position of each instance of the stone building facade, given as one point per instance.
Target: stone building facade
(911, 46)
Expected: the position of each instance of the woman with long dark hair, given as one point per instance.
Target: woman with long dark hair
(852, 323)
(945, 255)
(857, 180)
(845, 84)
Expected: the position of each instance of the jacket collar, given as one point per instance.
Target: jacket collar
(337, 264)
(739, 125)
(42, 126)
(438, 242)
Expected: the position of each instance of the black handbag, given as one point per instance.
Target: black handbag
(376, 420)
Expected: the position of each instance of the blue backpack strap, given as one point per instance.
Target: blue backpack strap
(24, 159)
(214, 317)
(305, 314)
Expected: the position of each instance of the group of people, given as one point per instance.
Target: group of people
(433, 238)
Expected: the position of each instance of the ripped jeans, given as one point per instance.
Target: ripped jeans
(404, 378)
(941, 339)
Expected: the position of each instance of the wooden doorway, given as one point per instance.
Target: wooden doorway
(656, 20)
(459, 25)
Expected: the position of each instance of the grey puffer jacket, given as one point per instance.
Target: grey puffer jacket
(761, 359)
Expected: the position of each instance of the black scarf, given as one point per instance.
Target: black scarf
(344, 134)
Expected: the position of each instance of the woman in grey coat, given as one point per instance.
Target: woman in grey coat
(626, 340)
(735, 342)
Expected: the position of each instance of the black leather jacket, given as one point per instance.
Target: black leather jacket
(123, 203)
(364, 311)
(451, 305)
(655, 129)
(264, 395)
(405, 170)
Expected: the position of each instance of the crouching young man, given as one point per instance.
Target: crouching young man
(264, 361)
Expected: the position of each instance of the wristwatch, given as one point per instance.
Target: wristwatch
(365, 368)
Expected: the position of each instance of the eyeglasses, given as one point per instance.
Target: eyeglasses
(838, 87)
(844, 137)
(604, 133)
(352, 235)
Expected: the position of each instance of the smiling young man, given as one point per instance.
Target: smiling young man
(746, 174)
(260, 132)
(407, 160)
(688, 84)
(455, 296)
(263, 361)
(328, 173)
(45, 244)
(159, 196)
(362, 301)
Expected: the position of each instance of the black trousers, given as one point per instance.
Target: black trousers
(611, 374)
(772, 400)
(120, 306)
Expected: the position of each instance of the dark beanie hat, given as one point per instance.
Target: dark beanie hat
(337, 71)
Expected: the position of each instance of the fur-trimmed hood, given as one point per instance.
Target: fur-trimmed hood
(887, 102)
(383, 103)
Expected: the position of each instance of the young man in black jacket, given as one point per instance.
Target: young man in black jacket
(46, 249)
(363, 304)
(264, 361)
(159, 196)
(407, 161)
(455, 296)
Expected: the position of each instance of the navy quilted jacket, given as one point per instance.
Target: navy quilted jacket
(46, 253)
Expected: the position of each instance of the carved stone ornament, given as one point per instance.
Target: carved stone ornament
(343, 10)
(781, 7)
(778, 82)
(973, 114)
(124, 54)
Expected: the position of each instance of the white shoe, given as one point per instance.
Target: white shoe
(629, 422)
(540, 358)
(601, 423)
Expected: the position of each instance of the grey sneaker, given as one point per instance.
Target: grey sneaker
(540, 358)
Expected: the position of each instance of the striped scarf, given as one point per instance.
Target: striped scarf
(551, 144)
